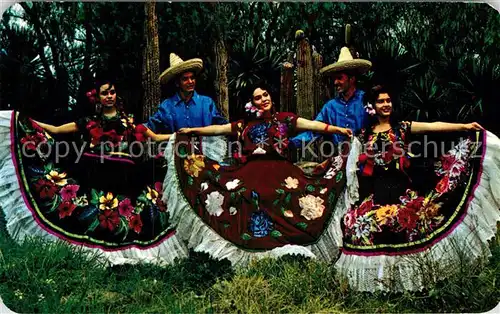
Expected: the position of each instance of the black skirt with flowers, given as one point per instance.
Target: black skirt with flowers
(407, 204)
(107, 197)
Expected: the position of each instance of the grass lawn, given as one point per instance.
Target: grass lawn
(54, 277)
(39, 276)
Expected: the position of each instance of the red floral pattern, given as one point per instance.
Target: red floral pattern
(415, 217)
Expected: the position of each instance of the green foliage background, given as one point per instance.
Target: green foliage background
(442, 59)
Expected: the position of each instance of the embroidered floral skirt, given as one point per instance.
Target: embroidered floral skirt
(448, 204)
(261, 204)
(113, 204)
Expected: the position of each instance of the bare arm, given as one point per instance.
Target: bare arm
(423, 127)
(65, 128)
(320, 127)
(157, 137)
(224, 129)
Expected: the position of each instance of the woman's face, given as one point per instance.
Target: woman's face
(383, 105)
(262, 100)
(107, 95)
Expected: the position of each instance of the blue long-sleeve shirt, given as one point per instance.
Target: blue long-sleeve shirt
(174, 114)
(345, 114)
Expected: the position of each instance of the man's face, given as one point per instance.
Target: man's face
(187, 82)
(342, 82)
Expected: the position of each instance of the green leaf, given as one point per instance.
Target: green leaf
(288, 198)
(48, 167)
(339, 176)
(226, 225)
(182, 151)
(276, 202)
(310, 188)
(95, 197)
(142, 198)
(123, 227)
(245, 236)
(93, 225)
(331, 198)
(163, 219)
(55, 204)
(233, 196)
(276, 234)
(190, 180)
(301, 225)
(280, 191)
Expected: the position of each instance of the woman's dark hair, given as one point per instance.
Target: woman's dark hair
(247, 93)
(371, 97)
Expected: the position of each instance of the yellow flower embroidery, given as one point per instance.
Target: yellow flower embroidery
(57, 178)
(108, 202)
(194, 164)
(385, 213)
(152, 195)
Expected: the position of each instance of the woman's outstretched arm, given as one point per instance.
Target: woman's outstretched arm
(423, 127)
(157, 137)
(224, 129)
(65, 128)
(320, 127)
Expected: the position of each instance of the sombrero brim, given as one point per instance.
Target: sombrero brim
(357, 65)
(194, 65)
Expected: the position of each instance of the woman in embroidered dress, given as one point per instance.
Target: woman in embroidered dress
(106, 199)
(401, 218)
(260, 204)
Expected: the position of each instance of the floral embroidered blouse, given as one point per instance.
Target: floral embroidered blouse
(111, 135)
(267, 135)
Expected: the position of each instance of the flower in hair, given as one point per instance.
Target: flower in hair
(91, 95)
(251, 109)
(369, 109)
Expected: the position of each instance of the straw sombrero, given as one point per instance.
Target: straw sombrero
(178, 66)
(347, 63)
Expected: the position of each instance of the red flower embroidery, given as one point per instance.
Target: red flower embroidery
(447, 162)
(65, 209)
(135, 223)
(416, 204)
(46, 189)
(109, 219)
(443, 184)
(140, 133)
(31, 141)
(35, 126)
(365, 207)
(69, 192)
(125, 208)
(407, 218)
(91, 125)
(96, 134)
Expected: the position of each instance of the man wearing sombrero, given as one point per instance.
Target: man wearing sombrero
(187, 108)
(347, 109)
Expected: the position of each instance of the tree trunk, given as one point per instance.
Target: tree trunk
(286, 89)
(151, 62)
(86, 74)
(305, 76)
(319, 88)
(221, 64)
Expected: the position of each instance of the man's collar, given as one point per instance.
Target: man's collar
(357, 93)
(178, 99)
